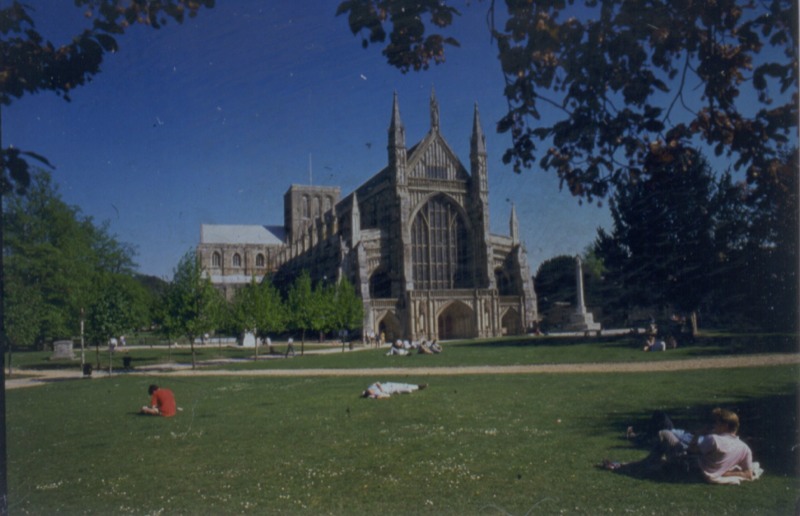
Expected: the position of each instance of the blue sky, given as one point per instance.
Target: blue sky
(212, 121)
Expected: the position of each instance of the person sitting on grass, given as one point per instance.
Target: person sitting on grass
(386, 389)
(654, 345)
(718, 456)
(162, 402)
(424, 348)
(397, 349)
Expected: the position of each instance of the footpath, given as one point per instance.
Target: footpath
(34, 377)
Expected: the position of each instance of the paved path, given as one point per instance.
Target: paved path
(44, 377)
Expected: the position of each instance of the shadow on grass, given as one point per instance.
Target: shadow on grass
(744, 345)
(702, 346)
(769, 425)
(545, 340)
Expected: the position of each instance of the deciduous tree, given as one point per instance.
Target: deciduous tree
(300, 303)
(258, 308)
(192, 306)
(349, 307)
(56, 261)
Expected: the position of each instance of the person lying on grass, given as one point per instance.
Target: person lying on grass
(718, 456)
(386, 389)
(162, 402)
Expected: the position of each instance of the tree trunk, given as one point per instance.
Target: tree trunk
(693, 320)
(3, 345)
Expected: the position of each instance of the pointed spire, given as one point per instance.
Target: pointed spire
(514, 225)
(478, 140)
(434, 111)
(397, 133)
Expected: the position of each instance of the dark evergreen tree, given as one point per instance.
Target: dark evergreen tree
(666, 246)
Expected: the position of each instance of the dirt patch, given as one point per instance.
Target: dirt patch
(44, 377)
(609, 367)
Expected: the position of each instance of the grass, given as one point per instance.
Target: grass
(507, 351)
(512, 444)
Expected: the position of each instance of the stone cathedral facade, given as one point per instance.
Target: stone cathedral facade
(414, 239)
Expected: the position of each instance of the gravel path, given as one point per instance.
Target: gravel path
(44, 377)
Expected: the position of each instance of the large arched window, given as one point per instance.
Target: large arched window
(237, 260)
(216, 259)
(260, 262)
(441, 256)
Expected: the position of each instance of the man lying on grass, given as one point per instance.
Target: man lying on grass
(386, 389)
(719, 456)
(162, 402)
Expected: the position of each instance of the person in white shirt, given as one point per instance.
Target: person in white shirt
(386, 389)
(722, 453)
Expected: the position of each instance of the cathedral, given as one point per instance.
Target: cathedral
(413, 239)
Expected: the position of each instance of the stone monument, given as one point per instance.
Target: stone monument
(581, 320)
(62, 350)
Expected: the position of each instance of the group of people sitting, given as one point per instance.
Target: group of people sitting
(652, 343)
(716, 455)
(423, 347)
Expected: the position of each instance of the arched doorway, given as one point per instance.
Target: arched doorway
(511, 323)
(456, 321)
(389, 325)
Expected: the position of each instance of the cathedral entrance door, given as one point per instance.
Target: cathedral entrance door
(456, 322)
(512, 323)
(389, 325)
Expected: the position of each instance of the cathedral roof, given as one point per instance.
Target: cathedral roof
(241, 234)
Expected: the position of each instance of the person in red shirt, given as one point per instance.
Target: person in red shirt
(162, 402)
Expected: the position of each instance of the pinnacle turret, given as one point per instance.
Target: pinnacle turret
(434, 112)
(478, 140)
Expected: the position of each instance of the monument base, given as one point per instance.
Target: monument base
(582, 322)
(62, 350)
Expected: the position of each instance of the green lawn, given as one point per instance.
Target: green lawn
(514, 444)
(508, 351)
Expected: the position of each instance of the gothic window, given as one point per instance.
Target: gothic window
(304, 207)
(505, 285)
(237, 260)
(216, 259)
(260, 260)
(441, 257)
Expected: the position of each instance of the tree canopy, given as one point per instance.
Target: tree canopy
(687, 242)
(258, 307)
(58, 262)
(191, 305)
(599, 89)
